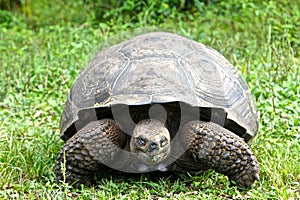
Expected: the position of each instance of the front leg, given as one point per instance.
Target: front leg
(84, 154)
(222, 151)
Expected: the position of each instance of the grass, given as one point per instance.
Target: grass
(41, 56)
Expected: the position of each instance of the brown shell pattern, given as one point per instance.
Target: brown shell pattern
(161, 67)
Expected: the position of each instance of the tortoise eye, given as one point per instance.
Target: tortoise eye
(163, 141)
(141, 141)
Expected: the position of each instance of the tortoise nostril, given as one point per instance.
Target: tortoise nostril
(153, 146)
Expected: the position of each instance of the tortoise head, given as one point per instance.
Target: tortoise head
(150, 142)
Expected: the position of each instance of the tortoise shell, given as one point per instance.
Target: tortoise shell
(160, 67)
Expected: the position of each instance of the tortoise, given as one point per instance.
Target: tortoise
(158, 102)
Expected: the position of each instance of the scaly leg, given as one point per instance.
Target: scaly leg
(222, 151)
(87, 150)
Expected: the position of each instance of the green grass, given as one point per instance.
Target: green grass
(41, 56)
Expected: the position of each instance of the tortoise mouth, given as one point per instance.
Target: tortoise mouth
(152, 159)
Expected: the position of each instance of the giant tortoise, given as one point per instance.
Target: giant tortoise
(158, 102)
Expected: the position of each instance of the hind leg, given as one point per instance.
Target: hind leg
(84, 154)
(222, 151)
